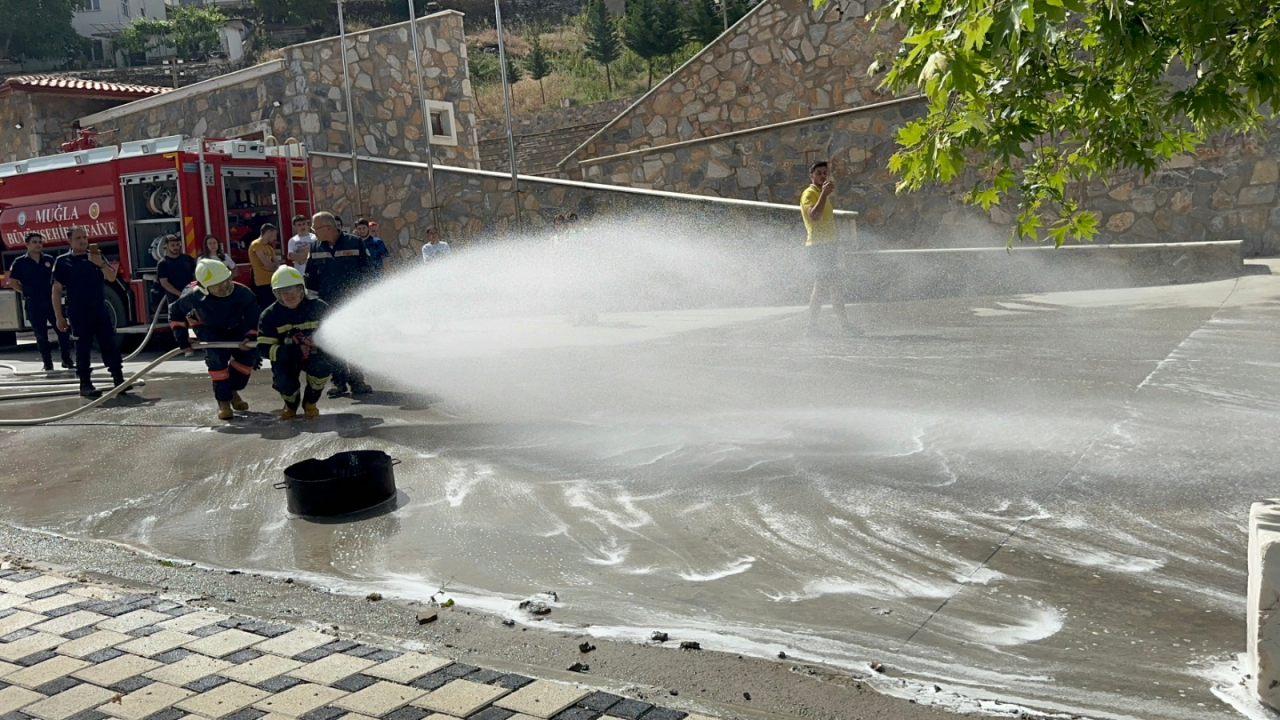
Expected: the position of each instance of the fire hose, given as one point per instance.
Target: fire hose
(115, 390)
(155, 317)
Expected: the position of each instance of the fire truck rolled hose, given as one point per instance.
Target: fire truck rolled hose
(29, 422)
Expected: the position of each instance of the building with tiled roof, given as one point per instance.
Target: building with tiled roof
(37, 112)
(79, 87)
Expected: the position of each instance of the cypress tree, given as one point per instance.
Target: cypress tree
(602, 37)
(538, 64)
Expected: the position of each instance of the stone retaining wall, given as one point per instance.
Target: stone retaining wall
(1227, 190)
(45, 119)
(784, 60)
(307, 84)
(476, 206)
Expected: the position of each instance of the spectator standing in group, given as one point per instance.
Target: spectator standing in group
(213, 249)
(299, 248)
(32, 276)
(176, 269)
(378, 252)
(83, 273)
(823, 247)
(264, 260)
(339, 265)
(434, 248)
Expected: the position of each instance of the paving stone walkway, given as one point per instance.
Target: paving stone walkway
(77, 651)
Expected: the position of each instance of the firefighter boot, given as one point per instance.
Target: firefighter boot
(224, 411)
(360, 387)
(311, 411)
(289, 412)
(238, 402)
(309, 398)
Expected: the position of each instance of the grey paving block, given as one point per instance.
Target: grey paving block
(279, 683)
(315, 654)
(630, 709)
(58, 590)
(89, 715)
(456, 670)
(167, 714)
(206, 631)
(15, 715)
(245, 714)
(53, 687)
(383, 655)
(432, 681)
(7, 573)
(64, 610)
(271, 631)
(144, 631)
(327, 712)
(17, 635)
(172, 656)
(360, 651)
(233, 623)
(243, 656)
(512, 681)
(600, 701)
(205, 684)
(6, 613)
(492, 713)
(23, 577)
(36, 658)
(102, 656)
(407, 712)
(114, 609)
(79, 632)
(167, 607)
(576, 713)
(485, 677)
(3, 684)
(341, 646)
(128, 685)
(355, 683)
(662, 714)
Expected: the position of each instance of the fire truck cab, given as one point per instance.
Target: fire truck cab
(130, 196)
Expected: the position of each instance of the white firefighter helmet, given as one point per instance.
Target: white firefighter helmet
(286, 276)
(210, 271)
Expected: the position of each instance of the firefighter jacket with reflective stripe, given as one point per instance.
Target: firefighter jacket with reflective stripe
(233, 318)
(281, 331)
(336, 271)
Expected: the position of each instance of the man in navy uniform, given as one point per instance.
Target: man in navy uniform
(32, 275)
(339, 265)
(84, 273)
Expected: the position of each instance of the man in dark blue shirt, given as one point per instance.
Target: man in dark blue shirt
(32, 275)
(176, 270)
(84, 276)
(339, 265)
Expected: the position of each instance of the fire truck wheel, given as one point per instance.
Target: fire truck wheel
(120, 318)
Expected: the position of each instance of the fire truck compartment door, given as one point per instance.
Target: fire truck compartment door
(10, 311)
(149, 178)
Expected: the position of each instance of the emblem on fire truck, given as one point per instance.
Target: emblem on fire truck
(94, 210)
(22, 218)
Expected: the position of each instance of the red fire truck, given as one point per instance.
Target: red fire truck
(130, 196)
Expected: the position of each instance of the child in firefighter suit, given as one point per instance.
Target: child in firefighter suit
(285, 334)
(220, 310)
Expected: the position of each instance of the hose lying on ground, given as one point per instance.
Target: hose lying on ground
(115, 390)
(155, 317)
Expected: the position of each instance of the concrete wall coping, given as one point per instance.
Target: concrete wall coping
(250, 73)
(669, 147)
(847, 214)
(1080, 246)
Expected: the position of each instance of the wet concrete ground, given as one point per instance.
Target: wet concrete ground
(1036, 498)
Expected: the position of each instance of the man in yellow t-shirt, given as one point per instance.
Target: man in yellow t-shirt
(823, 247)
(263, 258)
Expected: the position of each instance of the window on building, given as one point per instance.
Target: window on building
(124, 7)
(444, 130)
(98, 52)
(90, 5)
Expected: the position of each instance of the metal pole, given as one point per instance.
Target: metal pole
(426, 118)
(506, 101)
(351, 116)
(724, 11)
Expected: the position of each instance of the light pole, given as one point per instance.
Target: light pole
(506, 102)
(426, 118)
(351, 116)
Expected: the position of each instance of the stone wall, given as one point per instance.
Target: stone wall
(45, 119)
(783, 61)
(302, 96)
(543, 138)
(1225, 191)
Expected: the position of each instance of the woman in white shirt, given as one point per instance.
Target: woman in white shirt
(213, 249)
